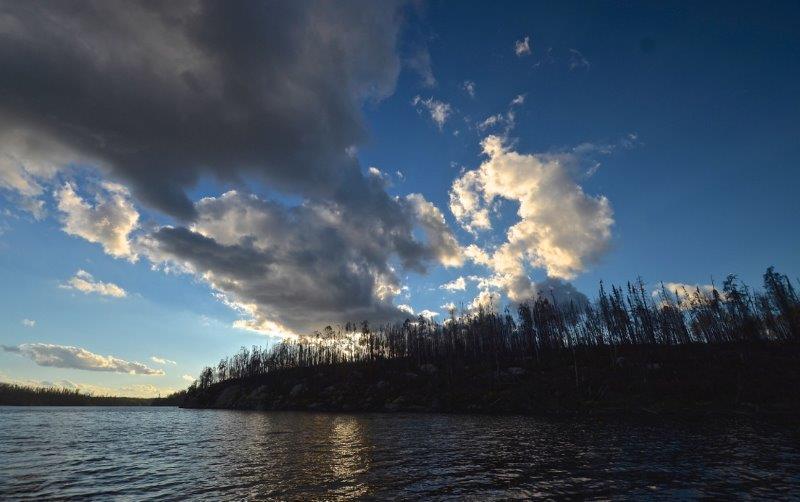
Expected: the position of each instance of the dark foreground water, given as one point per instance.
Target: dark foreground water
(168, 453)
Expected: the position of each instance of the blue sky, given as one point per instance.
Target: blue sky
(684, 117)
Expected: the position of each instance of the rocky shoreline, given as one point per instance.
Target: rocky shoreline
(704, 379)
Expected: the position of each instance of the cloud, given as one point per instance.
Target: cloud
(161, 360)
(158, 95)
(490, 121)
(64, 356)
(84, 282)
(188, 378)
(28, 323)
(449, 307)
(108, 222)
(519, 100)
(486, 299)
(136, 390)
(469, 88)
(406, 309)
(421, 63)
(441, 241)
(438, 110)
(577, 61)
(428, 314)
(25, 164)
(458, 284)
(561, 292)
(293, 269)
(686, 293)
(561, 228)
(523, 47)
(264, 95)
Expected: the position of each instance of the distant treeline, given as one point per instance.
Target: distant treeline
(629, 317)
(23, 395)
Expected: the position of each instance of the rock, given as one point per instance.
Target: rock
(381, 384)
(296, 390)
(516, 371)
(227, 397)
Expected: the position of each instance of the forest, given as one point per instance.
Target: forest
(24, 395)
(623, 316)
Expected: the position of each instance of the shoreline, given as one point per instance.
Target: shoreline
(759, 379)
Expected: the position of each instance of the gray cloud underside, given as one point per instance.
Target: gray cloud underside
(302, 266)
(160, 93)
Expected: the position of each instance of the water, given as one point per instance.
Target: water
(168, 453)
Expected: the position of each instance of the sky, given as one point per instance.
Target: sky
(179, 180)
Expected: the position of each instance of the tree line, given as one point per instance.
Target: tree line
(25, 395)
(627, 315)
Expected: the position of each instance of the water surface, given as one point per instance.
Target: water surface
(169, 453)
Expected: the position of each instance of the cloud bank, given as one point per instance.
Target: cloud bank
(64, 356)
(160, 94)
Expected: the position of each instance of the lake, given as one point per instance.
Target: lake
(169, 453)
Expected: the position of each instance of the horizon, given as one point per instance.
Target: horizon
(173, 189)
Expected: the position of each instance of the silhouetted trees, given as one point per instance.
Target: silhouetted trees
(23, 395)
(623, 316)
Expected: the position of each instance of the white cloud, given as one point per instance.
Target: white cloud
(64, 356)
(84, 282)
(577, 60)
(438, 110)
(469, 88)
(490, 121)
(439, 236)
(687, 293)
(518, 101)
(289, 270)
(383, 178)
(561, 229)
(428, 314)
(458, 284)
(448, 307)
(522, 47)
(108, 222)
(188, 378)
(28, 323)
(486, 299)
(27, 163)
(136, 390)
(161, 360)
(406, 308)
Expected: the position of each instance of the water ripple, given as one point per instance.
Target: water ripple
(172, 454)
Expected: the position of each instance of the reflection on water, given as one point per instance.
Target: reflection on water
(144, 453)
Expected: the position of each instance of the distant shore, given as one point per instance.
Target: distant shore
(698, 378)
(24, 395)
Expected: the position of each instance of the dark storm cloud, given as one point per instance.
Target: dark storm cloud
(160, 93)
(299, 267)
